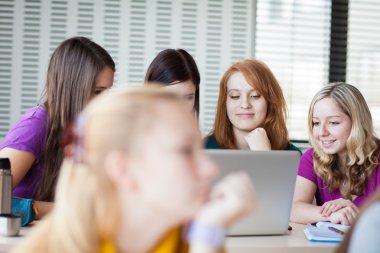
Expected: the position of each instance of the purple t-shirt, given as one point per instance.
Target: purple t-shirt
(306, 170)
(29, 134)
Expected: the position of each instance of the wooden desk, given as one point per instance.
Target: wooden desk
(293, 242)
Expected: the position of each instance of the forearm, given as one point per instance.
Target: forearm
(43, 208)
(306, 213)
(21, 162)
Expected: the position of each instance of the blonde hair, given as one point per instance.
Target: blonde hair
(87, 211)
(362, 154)
(261, 78)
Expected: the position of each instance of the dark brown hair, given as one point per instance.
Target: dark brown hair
(72, 72)
(173, 65)
(261, 78)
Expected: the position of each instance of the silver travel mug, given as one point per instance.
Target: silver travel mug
(9, 224)
(5, 186)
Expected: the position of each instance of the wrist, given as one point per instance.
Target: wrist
(212, 216)
(203, 233)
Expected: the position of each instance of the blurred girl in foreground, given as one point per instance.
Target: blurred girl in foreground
(136, 176)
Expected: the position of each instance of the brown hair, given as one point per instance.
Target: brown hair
(260, 77)
(72, 72)
(173, 65)
(362, 154)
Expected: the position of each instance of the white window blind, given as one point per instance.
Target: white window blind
(292, 37)
(363, 57)
(215, 32)
(6, 47)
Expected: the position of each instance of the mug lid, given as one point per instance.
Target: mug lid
(5, 164)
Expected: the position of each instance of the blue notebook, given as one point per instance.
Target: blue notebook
(322, 232)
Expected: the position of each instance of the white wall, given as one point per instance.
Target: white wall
(215, 32)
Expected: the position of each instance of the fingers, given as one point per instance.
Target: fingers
(324, 208)
(257, 139)
(352, 213)
(236, 188)
(355, 208)
(330, 208)
(345, 216)
(348, 216)
(245, 190)
(230, 199)
(333, 206)
(344, 220)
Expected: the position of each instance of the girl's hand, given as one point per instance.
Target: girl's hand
(334, 205)
(345, 215)
(231, 199)
(257, 139)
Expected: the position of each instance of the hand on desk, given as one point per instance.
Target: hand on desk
(341, 211)
(345, 216)
(231, 199)
(334, 205)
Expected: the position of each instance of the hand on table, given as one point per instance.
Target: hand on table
(345, 216)
(332, 206)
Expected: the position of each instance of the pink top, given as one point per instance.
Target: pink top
(322, 195)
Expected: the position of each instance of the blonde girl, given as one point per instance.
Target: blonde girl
(342, 169)
(135, 176)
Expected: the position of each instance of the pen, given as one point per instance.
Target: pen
(339, 231)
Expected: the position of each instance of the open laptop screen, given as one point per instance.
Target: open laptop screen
(273, 174)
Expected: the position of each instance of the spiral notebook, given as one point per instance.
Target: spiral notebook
(325, 232)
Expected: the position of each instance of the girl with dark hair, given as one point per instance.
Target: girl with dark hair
(177, 71)
(79, 69)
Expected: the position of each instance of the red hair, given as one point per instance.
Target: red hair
(261, 78)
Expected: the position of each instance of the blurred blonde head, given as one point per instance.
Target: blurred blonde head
(88, 202)
(361, 146)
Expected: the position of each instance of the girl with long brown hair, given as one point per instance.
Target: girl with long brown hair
(79, 69)
(251, 110)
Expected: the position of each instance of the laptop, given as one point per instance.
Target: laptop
(273, 174)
